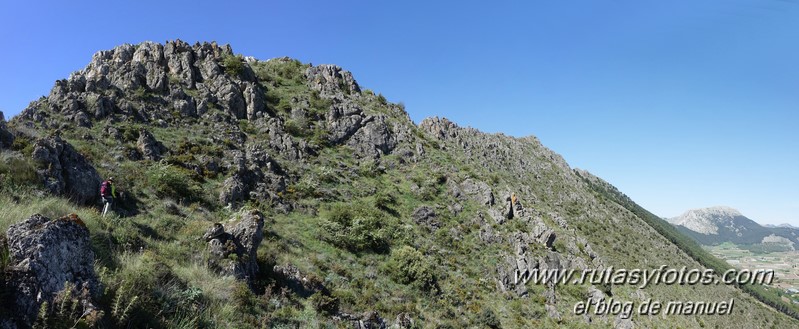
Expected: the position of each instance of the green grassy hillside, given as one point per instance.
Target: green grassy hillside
(376, 213)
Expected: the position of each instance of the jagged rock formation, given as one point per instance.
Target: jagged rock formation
(44, 254)
(287, 137)
(149, 147)
(242, 241)
(332, 80)
(191, 80)
(715, 225)
(65, 171)
(255, 175)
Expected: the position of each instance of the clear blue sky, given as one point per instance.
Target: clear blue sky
(680, 104)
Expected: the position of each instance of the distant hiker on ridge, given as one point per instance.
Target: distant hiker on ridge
(108, 193)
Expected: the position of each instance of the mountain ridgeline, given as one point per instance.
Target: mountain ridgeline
(716, 225)
(281, 194)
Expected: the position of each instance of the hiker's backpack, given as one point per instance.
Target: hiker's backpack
(105, 189)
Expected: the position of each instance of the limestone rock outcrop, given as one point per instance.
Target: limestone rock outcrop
(149, 147)
(65, 171)
(235, 252)
(44, 255)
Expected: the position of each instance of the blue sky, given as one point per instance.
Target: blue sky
(680, 104)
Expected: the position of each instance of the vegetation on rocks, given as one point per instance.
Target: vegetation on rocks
(364, 217)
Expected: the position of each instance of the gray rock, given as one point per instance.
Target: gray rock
(82, 119)
(331, 80)
(552, 312)
(304, 285)
(542, 234)
(149, 147)
(65, 171)
(256, 176)
(45, 254)
(403, 321)
(242, 241)
(234, 190)
(367, 320)
(186, 107)
(478, 190)
(255, 100)
(426, 216)
(180, 62)
(148, 59)
(487, 233)
(374, 138)
(153, 76)
(369, 135)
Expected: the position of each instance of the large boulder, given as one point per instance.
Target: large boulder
(369, 135)
(44, 257)
(65, 171)
(235, 252)
(149, 147)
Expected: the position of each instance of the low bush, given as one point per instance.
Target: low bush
(234, 65)
(408, 266)
(357, 227)
(172, 182)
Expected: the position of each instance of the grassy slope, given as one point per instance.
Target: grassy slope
(154, 268)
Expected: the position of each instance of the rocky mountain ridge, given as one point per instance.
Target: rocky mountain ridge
(714, 225)
(275, 193)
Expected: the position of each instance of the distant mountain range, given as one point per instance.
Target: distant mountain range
(716, 225)
(785, 225)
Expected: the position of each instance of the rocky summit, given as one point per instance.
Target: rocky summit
(274, 193)
(716, 225)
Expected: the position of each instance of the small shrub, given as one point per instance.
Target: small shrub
(23, 144)
(487, 319)
(369, 168)
(234, 65)
(171, 182)
(385, 200)
(324, 304)
(408, 266)
(320, 105)
(141, 93)
(357, 227)
(242, 296)
(295, 128)
(320, 137)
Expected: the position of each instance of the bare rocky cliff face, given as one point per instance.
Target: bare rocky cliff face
(65, 171)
